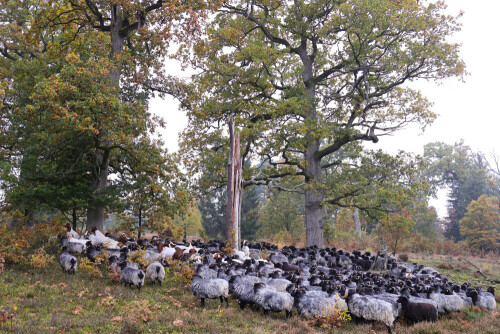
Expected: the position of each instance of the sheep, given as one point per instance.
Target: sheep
(273, 300)
(417, 312)
(73, 247)
(485, 300)
(155, 272)
(210, 288)
(312, 305)
(368, 308)
(446, 303)
(67, 261)
(132, 276)
(243, 289)
(92, 251)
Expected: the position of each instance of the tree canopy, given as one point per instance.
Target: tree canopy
(305, 80)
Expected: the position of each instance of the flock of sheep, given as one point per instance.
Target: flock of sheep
(315, 282)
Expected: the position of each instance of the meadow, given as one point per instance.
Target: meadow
(49, 301)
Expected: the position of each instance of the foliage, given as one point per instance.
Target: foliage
(465, 173)
(336, 317)
(481, 224)
(20, 242)
(281, 217)
(213, 210)
(252, 199)
(190, 221)
(305, 81)
(395, 228)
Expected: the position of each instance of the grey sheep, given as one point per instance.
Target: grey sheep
(155, 272)
(73, 247)
(417, 312)
(273, 300)
(485, 300)
(67, 261)
(368, 308)
(310, 305)
(243, 289)
(446, 303)
(210, 288)
(132, 276)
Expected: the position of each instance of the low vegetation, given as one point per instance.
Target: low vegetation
(42, 299)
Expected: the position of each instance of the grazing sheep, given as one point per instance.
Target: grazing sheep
(132, 276)
(417, 312)
(155, 272)
(273, 300)
(67, 261)
(210, 288)
(242, 287)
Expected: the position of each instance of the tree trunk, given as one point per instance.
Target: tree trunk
(75, 218)
(357, 222)
(233, 192)
(95, 214)
(314, 197)
(139, 230)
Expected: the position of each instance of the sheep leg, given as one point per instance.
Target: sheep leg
(202, 302)
(227, 301)
(389, 330)
(288, 314)
(266, 312)
(242, 305)
(221, 300)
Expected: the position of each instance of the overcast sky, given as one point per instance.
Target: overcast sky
(467, 110)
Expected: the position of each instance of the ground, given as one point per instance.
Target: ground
(50, 301)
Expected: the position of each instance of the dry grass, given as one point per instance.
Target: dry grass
(52, 302)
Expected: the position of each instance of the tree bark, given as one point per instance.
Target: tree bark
(314, 197)
(95, 214)
(139, 230)
(357, 222)
(233, 192)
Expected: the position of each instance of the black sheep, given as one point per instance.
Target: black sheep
(417, 312)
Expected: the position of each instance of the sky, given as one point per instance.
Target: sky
(468, 110)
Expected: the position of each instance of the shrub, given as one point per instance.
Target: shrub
(403, 257)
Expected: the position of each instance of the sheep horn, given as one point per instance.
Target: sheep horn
(346, 293)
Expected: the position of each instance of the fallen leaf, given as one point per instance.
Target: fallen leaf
(83, 292)
(117, 318)
(63, 285)
(37, 283)
(77, 310)
(178, 322)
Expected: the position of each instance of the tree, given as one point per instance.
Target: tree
(253, 198)
(395, 228)
(481, 224)
(190, 221)
(213, 208)
(305, 79)
(136, 36)
(465, 173)
(281, 215)
(153, 189)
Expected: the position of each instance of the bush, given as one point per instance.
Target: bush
(403, 257)
(29, 245)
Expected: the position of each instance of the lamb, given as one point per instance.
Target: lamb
(67, 261)
(132, 276)
(210, 288)
(273, 300)
(417, 312)
(155, 272)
